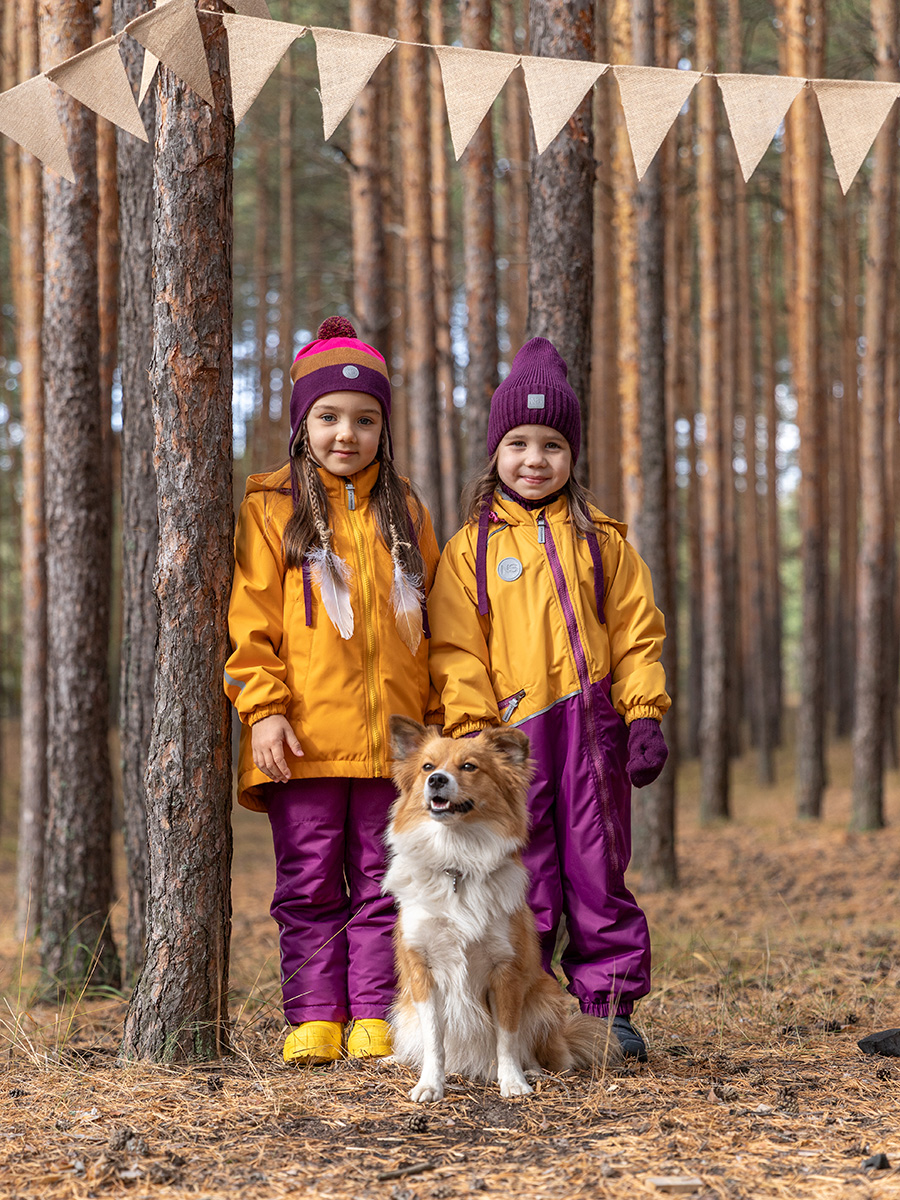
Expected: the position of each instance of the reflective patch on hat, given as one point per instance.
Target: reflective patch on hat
(509, 569)
(536, 400)
(350, 372)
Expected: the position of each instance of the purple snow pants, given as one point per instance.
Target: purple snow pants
(337, 957)
(580, 806)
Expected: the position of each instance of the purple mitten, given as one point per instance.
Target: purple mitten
(647, 751)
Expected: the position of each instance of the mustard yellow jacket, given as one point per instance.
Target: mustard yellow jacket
(337, 694)
(542, 637)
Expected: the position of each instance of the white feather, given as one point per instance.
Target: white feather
(332, 577)
(406, 601)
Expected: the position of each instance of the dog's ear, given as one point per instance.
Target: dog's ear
(407, 735)
(511, 742)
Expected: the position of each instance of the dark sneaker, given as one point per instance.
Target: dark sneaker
(633, 1045)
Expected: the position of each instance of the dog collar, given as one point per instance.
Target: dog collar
(456, 875)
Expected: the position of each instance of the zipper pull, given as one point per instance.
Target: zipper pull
(542, 528)
(351, 494)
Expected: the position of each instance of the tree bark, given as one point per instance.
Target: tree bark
(77, 944)
(805, 143)
(477, 169)
(26, 221)
(872, 631)
(654, 805)
(420, 372)
(370, 305)
(134, 170)
(179, 1008)
(560, 222)
(517, 143)
(714, 775)
(279, 415)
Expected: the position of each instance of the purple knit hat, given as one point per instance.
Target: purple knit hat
(536, 392)
(337, 361)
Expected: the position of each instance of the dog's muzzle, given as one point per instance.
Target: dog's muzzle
(442, 796)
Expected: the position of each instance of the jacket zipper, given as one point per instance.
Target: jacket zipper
(545, 536)
(511, 703)
(366, 590)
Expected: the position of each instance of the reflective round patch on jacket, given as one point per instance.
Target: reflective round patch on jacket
(509, 569)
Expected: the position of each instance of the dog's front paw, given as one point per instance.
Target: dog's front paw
(427, 1090)
(515, 1085)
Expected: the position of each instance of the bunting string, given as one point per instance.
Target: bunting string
(852, 111)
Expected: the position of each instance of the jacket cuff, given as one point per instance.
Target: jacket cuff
(467, 727)
(267, 710)
(641, 711)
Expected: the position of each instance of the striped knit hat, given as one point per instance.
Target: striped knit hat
(337, 361)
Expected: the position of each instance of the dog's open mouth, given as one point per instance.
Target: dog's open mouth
(439, 806)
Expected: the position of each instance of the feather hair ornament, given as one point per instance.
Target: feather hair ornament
(407, 598)
(332, 577)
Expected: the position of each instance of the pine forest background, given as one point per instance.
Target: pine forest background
(735, 347)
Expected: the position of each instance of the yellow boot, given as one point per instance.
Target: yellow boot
(370, 1037)
(313, 1042)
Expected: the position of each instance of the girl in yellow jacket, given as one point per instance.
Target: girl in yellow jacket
(333, 558)
(544, 618)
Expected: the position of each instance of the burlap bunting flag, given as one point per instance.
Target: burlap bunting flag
(96, 78)
(28, 116)
(255, 48)
(172, 33)
(472, 81)
(756, 106)
(346, 62)
(852, 112)
(556, 86)
(652, 97)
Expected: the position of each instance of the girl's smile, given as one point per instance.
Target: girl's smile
(344, 431)
(534, 460)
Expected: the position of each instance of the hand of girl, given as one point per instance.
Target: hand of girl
(267, 739)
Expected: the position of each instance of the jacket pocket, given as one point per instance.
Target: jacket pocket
(510, 704)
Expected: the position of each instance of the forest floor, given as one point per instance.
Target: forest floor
(777, 953)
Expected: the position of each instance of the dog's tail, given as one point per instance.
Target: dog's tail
(591, 1041)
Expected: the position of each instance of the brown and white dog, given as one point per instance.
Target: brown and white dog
(473, 999)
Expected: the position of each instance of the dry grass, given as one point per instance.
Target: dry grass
(776, 955)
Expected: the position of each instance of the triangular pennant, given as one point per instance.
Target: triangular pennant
(652, 97)
(346, 62)
(28, 116)
(252, 8)
(255, 48)
(853, 110)
(172, 33)
(472, 81)
(96, 78)
(756, 105)
(556, 86)
(148, 69)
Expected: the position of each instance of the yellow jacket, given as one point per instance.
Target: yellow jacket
(542, 639)
(337, 694)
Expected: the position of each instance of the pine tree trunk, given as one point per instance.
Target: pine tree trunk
(654, 806)
(134, 169)
(604, 436)
(517, 145)
(847, 466)
(872, 630)
(477, 169)
(260, 429)
(370, 305)
(77, 943)
(26, 222)
(280, 420)
(420, 372)
(560, 221)
(805, 142)
(179, 1009)
(714, 781)
(442, 248)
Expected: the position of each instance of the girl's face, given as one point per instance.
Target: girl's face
(534, 460)
(344, 431)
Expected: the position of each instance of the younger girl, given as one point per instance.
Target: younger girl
(544, 619)
(334, 556)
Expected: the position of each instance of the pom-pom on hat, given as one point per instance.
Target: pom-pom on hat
(337, 361)
(536, 392)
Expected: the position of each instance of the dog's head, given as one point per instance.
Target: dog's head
(461, 780)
